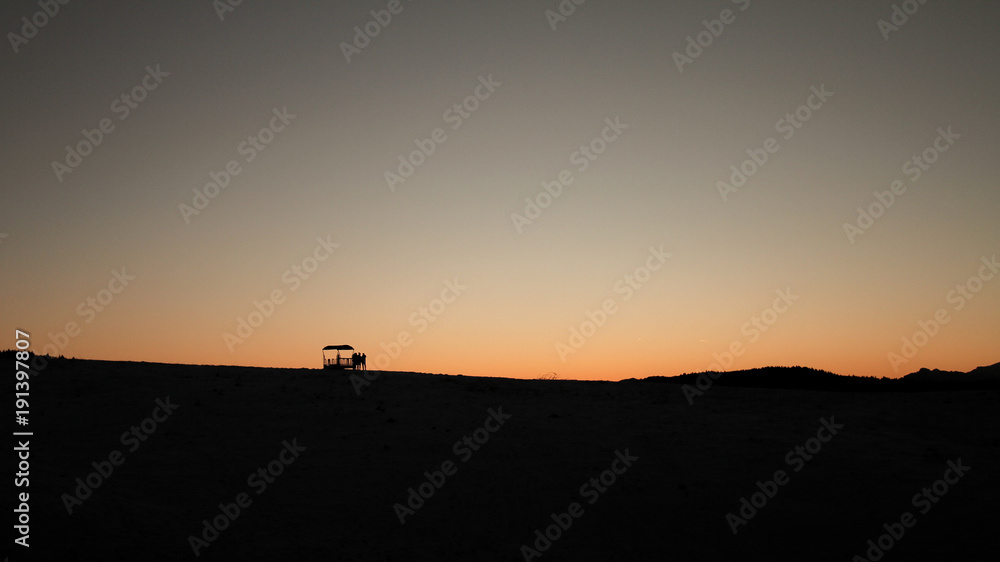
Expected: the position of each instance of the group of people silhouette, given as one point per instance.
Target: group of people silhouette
(359, 360)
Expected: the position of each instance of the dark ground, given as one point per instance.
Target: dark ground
(335, 501)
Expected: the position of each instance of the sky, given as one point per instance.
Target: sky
(602, 190)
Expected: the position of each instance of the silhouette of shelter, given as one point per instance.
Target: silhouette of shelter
(338, 361)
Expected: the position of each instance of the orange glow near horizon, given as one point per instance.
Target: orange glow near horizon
(524, 342)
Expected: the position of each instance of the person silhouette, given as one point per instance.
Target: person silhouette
(364, 362)
(355, 360)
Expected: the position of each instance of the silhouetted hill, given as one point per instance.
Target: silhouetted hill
(419, 467)
(807, 378)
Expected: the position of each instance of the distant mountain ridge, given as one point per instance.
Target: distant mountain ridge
(990, 372)
(808, 378)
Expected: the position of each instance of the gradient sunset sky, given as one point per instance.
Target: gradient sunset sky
(869, 98)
